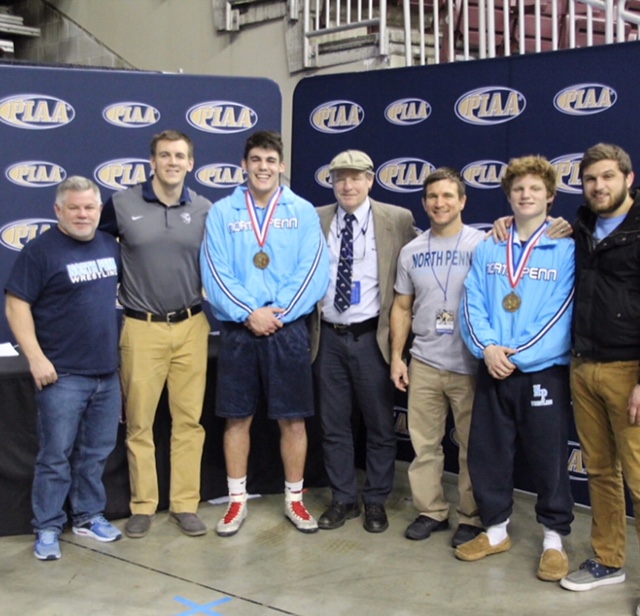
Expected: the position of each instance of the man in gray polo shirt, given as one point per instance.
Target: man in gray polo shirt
(160, 224)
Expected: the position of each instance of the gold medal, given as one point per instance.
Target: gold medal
(261, 260)
(511, 302)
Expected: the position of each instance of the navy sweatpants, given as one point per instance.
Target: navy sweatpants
(531, 409)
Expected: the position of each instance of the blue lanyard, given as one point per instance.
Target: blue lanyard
(446, 284)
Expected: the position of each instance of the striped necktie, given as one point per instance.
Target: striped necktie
(342, 299)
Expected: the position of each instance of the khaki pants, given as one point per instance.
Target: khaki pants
(431, 393)
(152, 354)
(610, 449)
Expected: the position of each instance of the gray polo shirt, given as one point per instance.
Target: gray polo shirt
(160, 248)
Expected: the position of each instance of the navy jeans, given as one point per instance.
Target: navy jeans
(77, 429)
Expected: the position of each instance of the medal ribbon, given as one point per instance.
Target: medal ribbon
(515, 276)
(261, 230)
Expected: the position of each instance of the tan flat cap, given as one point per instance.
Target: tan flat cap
(351, 159)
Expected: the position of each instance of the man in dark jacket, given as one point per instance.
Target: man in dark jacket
(605, 368)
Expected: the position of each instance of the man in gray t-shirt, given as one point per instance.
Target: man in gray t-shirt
(441, 375)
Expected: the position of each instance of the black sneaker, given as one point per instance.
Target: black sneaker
(464, 534)
(422, 527)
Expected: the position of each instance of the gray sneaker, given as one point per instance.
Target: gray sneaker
(189, 523)
(138, 525)
(592, 574)
(47, 546)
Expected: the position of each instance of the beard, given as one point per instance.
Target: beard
(611, 207)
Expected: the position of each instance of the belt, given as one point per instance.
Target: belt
(174, 316)
(357, 329)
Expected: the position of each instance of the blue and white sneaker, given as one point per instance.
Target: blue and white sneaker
(98, 528)
(47, 546)
(592, 574)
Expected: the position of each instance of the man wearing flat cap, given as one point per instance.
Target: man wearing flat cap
(350, 339)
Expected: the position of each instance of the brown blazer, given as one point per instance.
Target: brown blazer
(394, 227)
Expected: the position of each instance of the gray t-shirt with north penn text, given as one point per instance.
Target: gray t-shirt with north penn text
(433, 269)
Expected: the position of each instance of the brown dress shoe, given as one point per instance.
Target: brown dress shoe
(138, 525)
(189, 523)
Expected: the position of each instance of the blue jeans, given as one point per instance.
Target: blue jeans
(278, 365)
(77, 429)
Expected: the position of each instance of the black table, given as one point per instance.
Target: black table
(18, 449)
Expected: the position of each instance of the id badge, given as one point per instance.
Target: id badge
(444, 321)
(355, 292)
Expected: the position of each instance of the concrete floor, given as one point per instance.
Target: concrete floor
(269, 568)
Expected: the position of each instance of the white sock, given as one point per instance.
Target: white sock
(237, 486)
(552, 540)
(293, 488)
(497, 533)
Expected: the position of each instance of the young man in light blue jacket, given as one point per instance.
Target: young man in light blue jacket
(264, 267)
(516, 316)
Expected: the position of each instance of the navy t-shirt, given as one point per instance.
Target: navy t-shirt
(71, 287)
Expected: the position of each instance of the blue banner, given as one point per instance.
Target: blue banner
(55, 123)
(475, 117)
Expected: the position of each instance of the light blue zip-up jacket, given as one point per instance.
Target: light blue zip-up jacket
(540, 330)
(297, 276)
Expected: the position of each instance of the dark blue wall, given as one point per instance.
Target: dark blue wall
(473, 116)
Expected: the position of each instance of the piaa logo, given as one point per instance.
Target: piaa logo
(221, 175)
(585, 99)
(404, 174)
(401, 423)
(323, 177)
(122, 173)
(575, 464)
(35, 174)
(131, 114)
(492, 105)
(17, 233)
(484, 173)
(568, 173)
(35, 111)
(222, 117)
(407, 111)
(337, 117)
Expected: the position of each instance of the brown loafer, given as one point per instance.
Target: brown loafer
(480, 547)
(554, 565)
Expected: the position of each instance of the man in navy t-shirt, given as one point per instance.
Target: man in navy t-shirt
(61, 307)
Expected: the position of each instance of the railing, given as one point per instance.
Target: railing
(324, 19)
(449, 30)
(467, 29)
(628, 13)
